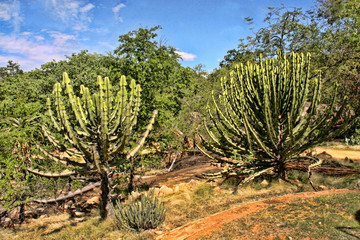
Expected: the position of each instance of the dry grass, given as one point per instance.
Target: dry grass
(327, 217)
(191, 202)
(204, 200)
(62, 227)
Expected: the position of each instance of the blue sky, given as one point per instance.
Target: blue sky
(33, 32)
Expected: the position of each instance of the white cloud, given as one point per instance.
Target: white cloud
(73, 13)
(87, 8)
(30, 53)
(186, 56)
(116, 11)
(61, 39)
(10, 12)
(25, 33)
(39, 38)
(84, 18)
(117, 8)
(5, 13)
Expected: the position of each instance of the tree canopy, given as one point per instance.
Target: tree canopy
(330, 32)
(157, 68)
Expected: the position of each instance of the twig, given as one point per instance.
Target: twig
(172, 164)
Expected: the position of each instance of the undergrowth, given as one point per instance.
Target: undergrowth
(64, 228)
(201, 200)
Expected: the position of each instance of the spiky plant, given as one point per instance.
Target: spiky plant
(145, 212)
(96, 135)
(260, 122)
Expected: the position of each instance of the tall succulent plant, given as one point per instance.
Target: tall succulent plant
(97, 133)
(260, 116)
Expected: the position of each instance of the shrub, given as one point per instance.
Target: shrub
(145, 212)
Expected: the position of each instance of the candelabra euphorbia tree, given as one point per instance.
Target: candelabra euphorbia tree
(97, 130)
(260, 122)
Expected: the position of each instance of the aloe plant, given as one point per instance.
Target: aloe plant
(97, 130)
(146, 212)
(260, 117)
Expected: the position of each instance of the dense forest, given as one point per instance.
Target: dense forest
(330, 32)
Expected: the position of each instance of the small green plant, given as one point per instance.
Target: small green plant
(204, 191)
(145, 212)
(354, 139)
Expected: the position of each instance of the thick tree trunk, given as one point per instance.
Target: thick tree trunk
(105, 195)
(131, 181)
(21, 213)
(131, 177)
(282, 171)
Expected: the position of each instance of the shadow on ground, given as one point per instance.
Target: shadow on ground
(353, 232)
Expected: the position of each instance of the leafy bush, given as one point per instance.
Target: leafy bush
(145, 212)
(354, 138)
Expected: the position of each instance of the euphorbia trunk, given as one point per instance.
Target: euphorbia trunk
(105, 196)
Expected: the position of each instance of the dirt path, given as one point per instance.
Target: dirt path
(339, 154)
(184, 171)
(206, 225)
(193, 167)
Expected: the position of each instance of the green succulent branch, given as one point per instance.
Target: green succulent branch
(98, 127)
(261, 115)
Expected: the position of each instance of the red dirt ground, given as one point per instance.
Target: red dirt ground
(207, 225)
(193, 167)
(184, 170)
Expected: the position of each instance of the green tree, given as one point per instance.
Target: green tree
(84, 67)
(287, 29)
(197, 95)
(338, 55)
(22, 94)
(17, 186)
(330, 32)
(10, 70)
(157, 69)
(260, 123)
(98, 134)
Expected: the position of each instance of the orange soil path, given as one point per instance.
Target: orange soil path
(206, 225)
